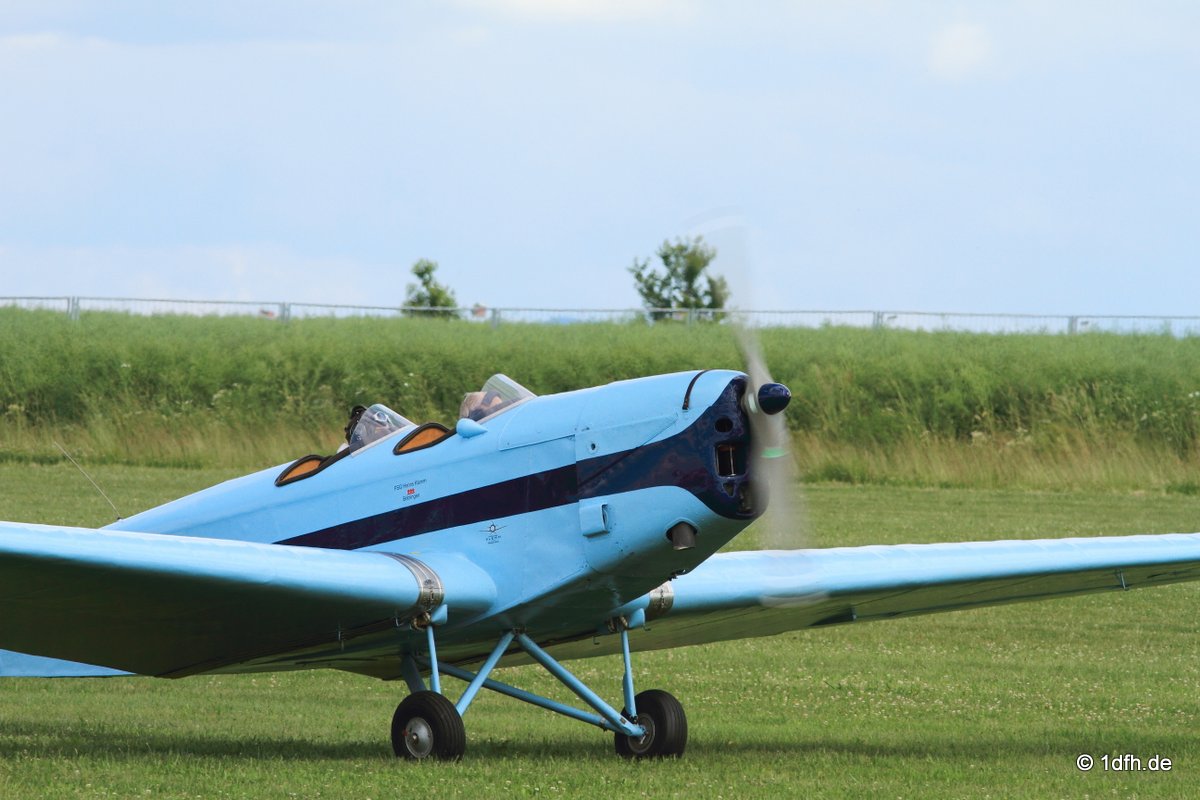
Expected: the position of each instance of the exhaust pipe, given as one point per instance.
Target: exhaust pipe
(682, 536)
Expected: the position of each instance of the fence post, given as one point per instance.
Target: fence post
(876, 319)
(1072, 325)
(73, 309)
(495, 318)
(285, 312)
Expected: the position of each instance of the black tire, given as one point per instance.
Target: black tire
(665, 723)
(427, 725)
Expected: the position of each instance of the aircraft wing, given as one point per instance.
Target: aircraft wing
(760, 593)
(175, 605)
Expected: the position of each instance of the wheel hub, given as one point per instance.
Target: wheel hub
(418, 737)
(640, 745)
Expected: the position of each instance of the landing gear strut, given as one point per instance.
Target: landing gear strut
(427, 725)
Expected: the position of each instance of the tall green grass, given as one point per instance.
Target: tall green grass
(870, 405)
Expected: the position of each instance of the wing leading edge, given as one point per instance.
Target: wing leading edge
(174, 605)
(761, 593)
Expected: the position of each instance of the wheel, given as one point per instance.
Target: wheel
(665, 723)
(427, 725)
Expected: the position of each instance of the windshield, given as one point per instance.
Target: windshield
(499, 393)
(373, 424)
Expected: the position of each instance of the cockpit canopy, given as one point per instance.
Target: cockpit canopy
(373, 424)
(499, 393)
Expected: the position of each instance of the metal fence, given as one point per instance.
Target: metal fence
(899, 320)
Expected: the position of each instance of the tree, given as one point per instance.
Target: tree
(428, 293)
(684, 282)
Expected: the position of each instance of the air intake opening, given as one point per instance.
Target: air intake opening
(731, 460)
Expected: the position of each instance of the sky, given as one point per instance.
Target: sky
(939, 156)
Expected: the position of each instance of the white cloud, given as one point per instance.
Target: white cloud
(584, 10)
(221, 273)
(550, 142)
(30, 41)
(473, 36)
(47, 41)
(959, 51)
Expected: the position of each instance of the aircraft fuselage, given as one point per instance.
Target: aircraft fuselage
(565, 501)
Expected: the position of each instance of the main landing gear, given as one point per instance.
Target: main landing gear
(428, 725)
(666, 728)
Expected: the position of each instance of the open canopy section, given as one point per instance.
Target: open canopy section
(499, 393)
(374, 423)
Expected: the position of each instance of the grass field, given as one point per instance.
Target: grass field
(990, 703)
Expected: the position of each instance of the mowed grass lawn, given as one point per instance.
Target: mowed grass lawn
(989, 703)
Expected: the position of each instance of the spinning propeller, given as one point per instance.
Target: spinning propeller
(771, 463)
(783, 524)
(774, 488)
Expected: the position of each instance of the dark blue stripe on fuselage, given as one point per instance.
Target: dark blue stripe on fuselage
(528, 493)
(685, 460)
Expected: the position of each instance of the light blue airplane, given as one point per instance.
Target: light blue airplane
(540, 529)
